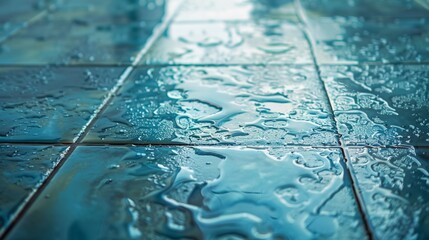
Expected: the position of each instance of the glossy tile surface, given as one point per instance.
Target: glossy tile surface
(47, 104)
(214, 119)
(22, 170)
(82, 33)
(223, 193)
(230, 43)
(14, 15)
(340, 40)
(394, 184)
(236, 10)
(368, 8)
(380, 105)
(219, 105)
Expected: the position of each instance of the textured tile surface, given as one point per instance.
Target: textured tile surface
(230, 43)
(380, 105)
(225, 105)
(236, 10)
(14, 15)
(368, 8)
(22, 170)
(353, 39)
(394, 184)
(46, 104)
(79, 35)
(213, 193)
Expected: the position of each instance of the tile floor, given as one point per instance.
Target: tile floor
(216, 119)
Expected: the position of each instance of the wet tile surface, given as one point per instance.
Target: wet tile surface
(236, 10)
(83, 33)
(368, 8)
(43, 104)
(219, 105)
(230, 43)
(394, 184)
(159, 193)
(238, 75)
(22, 170)
(15, 16)
(353, 39)
(380, 105)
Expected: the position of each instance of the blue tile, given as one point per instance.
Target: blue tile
(22, 170)
(219, 105)
(394, 184)
(380, 104)
(196, 193)
(237, 10)
(367, 8)
(43, 104)
(82, 34)
(14, 15)
(230, 43)
(353, 40)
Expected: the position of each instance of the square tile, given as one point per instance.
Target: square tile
(236, 10)
(230, 43)
(46, 104)
(367, 8)
(74, 37)
(196, 193)
(350, 40)
(394, 184)
(22, 170)
(219, 105)
(14, 15)
(380, 104)
(113, 11)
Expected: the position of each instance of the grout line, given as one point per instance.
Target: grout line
(155, 65)
(359, 201)
(32, 198)
(160, 65)
(373, 63)
(178, 144)
(25, 25)
(115, 144)
(32, 20)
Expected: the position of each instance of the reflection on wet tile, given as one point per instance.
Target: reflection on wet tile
(50, 104)
(22, 170)
(81, 35)
(351, 40)
(235, 10)
(14, 15)
(220, 42)
(225, 105)
(380, 105)
(113, 11)
(196, 193)
(394, 184)
(368, 8)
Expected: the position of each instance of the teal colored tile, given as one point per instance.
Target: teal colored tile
(80, 35)
(380, 105)
(367, 8)
(196, 193)
(230, 43)
(394, 184)
(113, 11)
(48, 104)
(237, 10)
(219, 105)
(14, 15)
(348, 40)
(22, 170)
